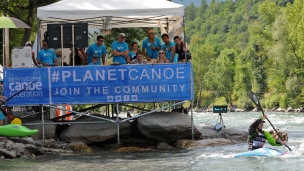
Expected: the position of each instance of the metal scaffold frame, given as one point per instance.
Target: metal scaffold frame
(103, 120)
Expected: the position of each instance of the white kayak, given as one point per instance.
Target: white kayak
(265, 152)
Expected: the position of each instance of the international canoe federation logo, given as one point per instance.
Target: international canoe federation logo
(25, 87)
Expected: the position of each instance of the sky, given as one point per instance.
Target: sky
(188, 2)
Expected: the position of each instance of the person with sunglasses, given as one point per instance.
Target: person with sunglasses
(161, 57)
(151, 45)
(98, 49)
(46, 56)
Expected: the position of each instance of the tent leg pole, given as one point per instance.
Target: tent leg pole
(192, 125)
(3, 45)
(117, 122)
(42, 121)
(184, 30)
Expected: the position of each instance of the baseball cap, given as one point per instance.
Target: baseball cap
(28, 43)
(122, 35)
(94, 56)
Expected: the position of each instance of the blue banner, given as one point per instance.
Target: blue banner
(98, 84)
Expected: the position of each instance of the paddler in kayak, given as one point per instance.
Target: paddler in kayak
(257, 136)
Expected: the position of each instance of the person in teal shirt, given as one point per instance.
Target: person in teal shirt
(132, 53)
(151, 45)
(98, 49)
(94, 60)
(46, 56)
(120, 50)
(169, 48)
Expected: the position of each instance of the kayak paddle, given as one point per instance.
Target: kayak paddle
(13, 119)
(256, 101)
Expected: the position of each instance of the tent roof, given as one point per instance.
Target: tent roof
(117, 13)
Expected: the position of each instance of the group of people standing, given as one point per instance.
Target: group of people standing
(152, 50)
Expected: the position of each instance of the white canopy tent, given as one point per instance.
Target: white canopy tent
(107, 14)
(104, 15)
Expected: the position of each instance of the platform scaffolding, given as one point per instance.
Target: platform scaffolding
(102, 119)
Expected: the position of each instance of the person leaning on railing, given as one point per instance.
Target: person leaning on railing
(78, 57)
(181, 50)
(161, 57)
(98, 49)
(169, 48)
(139, 59)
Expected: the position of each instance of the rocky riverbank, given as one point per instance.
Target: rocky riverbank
(235, 109)
(162, 130)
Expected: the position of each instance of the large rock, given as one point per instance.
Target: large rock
(208, 132)
(49, 130)
(274, 134)
(79, 146)
(190, 144)
(92, 133)
(167, 126)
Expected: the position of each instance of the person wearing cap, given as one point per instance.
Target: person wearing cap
(257, 136)
(169, 48)
(98, 49)
(94, 60)
(151, 45)
(120, 50)
(28, 43)
(46, 56)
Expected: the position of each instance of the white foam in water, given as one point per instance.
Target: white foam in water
(297, 120)
(217, 155)
(281, 122)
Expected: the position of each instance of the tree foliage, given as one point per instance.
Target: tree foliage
(236, 46)
(256, 45)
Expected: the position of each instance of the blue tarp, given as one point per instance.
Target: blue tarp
(99, 84)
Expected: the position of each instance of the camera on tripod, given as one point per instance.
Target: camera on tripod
(219, 122)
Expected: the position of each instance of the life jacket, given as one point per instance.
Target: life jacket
(257, 141)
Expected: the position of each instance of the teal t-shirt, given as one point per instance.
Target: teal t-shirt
(120, 47)
(93, 49)
(148, 46)
(2, 117)
(168, 52)
(132, 55)
(47, 56)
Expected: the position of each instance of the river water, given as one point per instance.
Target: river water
(211, 158)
